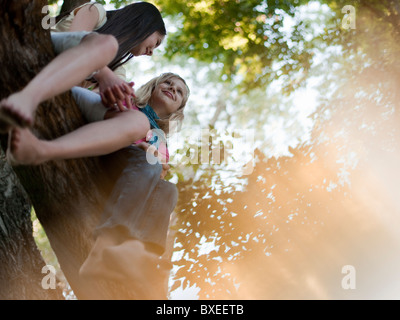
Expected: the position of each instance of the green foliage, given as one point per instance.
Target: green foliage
(247, 37)
(49, 256)
(42, 241)
(299, 219)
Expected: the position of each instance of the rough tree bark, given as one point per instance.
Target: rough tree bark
(67, 195)
(20, 260)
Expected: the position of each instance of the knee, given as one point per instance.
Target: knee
(133, 125)
(104, 43)
(152, 172)
(109, 45)
(137, 124)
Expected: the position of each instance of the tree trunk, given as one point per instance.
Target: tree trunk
(65, 194)
(21, 262)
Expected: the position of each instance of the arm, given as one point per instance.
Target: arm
(114, 90)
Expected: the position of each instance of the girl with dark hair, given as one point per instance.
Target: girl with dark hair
(96, 44)
(131, 26)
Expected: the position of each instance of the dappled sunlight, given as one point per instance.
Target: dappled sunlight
(320, 221)
(292, 234)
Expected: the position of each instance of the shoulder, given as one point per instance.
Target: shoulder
(102, 19)
(88, 5)
(92, 7)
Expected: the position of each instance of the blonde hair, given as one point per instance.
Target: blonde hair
(144, 93)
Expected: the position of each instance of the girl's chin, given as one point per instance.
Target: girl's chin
(136, 54)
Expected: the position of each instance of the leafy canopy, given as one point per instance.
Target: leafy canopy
(245, 37)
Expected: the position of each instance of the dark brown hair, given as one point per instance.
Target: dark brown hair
(131, 25)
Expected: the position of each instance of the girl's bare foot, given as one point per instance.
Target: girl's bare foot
(24, 148)
(16, 111)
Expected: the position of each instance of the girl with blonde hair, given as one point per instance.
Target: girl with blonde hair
(160, 101)
(132, 234)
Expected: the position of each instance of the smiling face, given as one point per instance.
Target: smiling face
(168, 96)
(147, 47)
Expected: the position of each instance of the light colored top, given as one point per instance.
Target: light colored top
(64, 25)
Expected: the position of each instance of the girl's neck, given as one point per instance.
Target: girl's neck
(158, 112)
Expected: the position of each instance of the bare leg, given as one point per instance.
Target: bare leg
(65, 71)
(93, 139)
